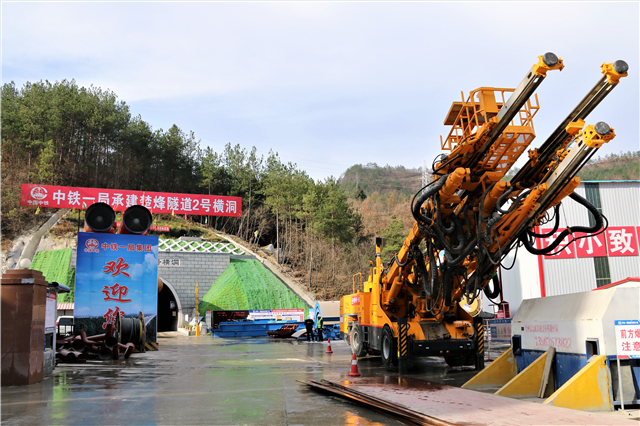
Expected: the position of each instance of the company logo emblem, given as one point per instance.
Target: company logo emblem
(355, 300)
(38, 193)
(92, 245)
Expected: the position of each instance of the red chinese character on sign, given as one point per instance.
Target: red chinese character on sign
(138, 247)
(626, 346)
(114, 246)
(116, 290)
(131, 247)
(105, 246)
(636, 346)
(590, 245)
(115, 268)
(111, 315)
(623, 334)
(637, 333)
(147, 247)
(567, 244)
(621, 241)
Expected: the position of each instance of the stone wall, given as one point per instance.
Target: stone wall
(204, 268)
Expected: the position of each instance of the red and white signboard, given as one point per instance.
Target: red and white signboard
(614, 241)
(591, 245)
(621, 241)
(627, 338)
(355, 300)
(67, 197)
(568, 253)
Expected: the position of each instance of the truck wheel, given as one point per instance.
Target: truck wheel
(389, 349)
(357, 345)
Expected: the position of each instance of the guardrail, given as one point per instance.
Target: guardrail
(198, 246)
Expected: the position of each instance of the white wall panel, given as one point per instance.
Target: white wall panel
(622, 267)
(563, 276)
(573, 213)
(621, 202)
(522, 281)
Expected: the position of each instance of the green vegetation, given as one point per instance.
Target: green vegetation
(361, 181)
(54, 265)
(392, 236)
(63, 134)
(246, 284)
(623, 166)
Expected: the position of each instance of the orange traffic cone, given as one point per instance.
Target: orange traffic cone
(329, 351)
(354, 367)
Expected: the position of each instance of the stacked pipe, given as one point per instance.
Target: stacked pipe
(78, 348)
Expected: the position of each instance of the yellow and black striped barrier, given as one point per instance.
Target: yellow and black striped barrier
(480, 338)
(479, 345)
(403, 340)
(151, 346)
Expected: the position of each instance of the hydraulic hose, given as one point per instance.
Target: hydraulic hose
(555, 227)
(447, 283)
(588, 230)
(467, 250)
(395, 258)
(415, 210)
(447, 230)
(467, 221)
(496, 288)
(422, 270)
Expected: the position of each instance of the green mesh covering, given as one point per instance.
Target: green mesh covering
(247, 284)
(54, 265)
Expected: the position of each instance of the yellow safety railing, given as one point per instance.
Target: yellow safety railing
(353, 279)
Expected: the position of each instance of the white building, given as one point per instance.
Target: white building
(586, 263)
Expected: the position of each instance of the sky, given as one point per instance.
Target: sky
(327, 84)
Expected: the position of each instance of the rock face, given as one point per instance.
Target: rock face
(48, 242)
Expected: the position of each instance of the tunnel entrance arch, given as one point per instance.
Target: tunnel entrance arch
(169, 308)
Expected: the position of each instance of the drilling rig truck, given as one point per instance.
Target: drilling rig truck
(425, 301)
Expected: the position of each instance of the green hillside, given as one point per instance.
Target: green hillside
(54, 265)
(246, 284)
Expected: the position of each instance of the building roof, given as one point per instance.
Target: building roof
(65, 306)
(626, 280)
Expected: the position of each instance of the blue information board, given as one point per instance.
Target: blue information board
(116, 274)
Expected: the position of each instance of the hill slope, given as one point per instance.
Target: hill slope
(246, 284)
(54, 265)
(372, 178)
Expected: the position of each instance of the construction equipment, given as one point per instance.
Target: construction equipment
(426, 300)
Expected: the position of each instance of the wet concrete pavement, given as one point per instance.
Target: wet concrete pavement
(205, 380)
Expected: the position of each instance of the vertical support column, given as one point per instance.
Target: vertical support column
(403, 345)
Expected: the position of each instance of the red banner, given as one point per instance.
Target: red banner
(66, 197)
(567, 246)
(621, 241)
(590, 245)
(615, 241)
(159, 228)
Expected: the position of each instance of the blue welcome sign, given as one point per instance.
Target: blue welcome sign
(116, 274)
